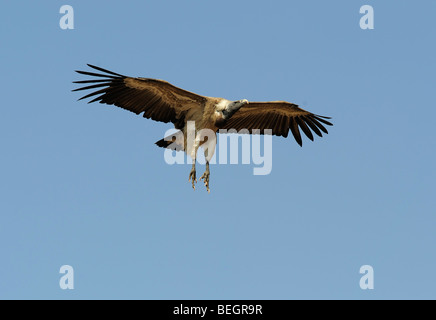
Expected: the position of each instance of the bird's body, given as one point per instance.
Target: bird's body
(161, 101)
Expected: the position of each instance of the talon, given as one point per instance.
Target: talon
(205, 177)
(192, 176)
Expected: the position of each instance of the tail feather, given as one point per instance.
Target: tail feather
(163, 143)
(169, 143)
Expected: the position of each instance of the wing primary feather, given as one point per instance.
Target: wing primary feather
(94, 81)
(284, 126)
(93, 86)
(324, 117)
(104, 70)
(319, 125)
(295, 131)
(304, 127)
(313, 126)
(94, 93)
(322, 120)
(86, 73)
(97, 99)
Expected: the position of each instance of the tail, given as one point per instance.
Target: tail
(164, 143)
(170, 142)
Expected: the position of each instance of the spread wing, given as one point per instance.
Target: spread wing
(156, 99)
(280, 117)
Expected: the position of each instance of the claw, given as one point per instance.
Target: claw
(193, 177)
(205, 177)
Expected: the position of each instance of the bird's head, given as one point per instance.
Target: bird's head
(232, 107)
(239, 103)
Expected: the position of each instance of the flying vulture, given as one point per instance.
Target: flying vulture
(161, 101)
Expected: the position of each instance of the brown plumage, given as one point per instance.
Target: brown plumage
(161, 101)
(280, 117)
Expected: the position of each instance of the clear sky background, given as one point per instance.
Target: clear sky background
(84, 185)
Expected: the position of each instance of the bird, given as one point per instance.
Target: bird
(159, 100)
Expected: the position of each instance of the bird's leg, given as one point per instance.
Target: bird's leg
(205, 176)
(192, 151)
(193, 175)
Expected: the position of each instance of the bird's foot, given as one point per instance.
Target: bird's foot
(193, 177)
(205, 177)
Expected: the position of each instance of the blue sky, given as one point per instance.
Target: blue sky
(84, 185)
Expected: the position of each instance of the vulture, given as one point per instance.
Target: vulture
(161, 101)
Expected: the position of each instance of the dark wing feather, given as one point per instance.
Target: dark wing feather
(156, 99)
(280, 117)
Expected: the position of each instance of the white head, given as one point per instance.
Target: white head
(228, 105)
(239, 103)
(232, 107)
